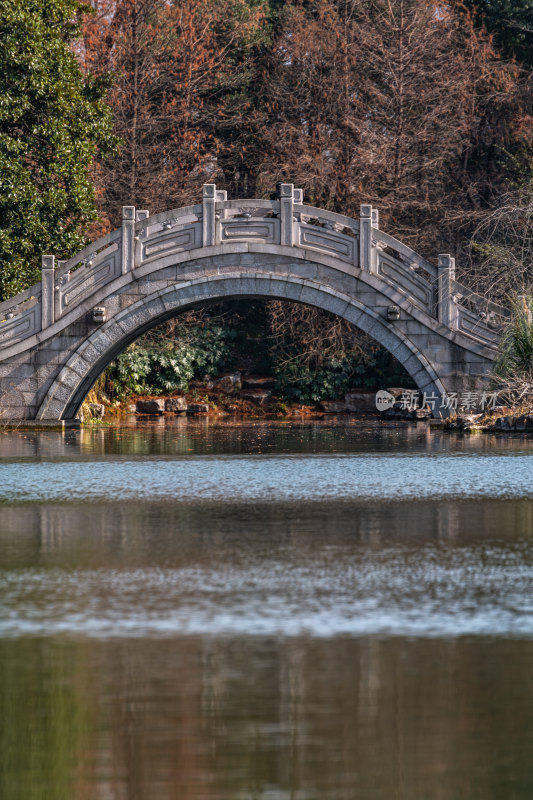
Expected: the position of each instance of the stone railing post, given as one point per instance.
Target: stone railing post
(141, 214)
(286, 205)
(447, 312)
(375, 218)
(47, 291)
(209, 194)
(221, 196)
(365, 238)
(128, 238)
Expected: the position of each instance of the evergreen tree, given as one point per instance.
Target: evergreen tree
(53, 122)
(511, 23)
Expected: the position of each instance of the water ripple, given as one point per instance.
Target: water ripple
(382, 593)
(279, 478)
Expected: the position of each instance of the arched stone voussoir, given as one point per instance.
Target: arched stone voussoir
(290, 289)
(71, 378)
(133, 318)
(67, 392)
(329, 300)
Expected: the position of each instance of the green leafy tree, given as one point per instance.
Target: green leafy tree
(511, 22)
(53, 122)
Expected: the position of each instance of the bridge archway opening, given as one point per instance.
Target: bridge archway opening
(67, 393)
(313, 354)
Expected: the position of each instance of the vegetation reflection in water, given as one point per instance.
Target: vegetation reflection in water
(282, 649)
(309, 718)
(158, 570)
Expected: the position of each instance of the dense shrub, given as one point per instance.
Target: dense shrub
(513, 368)
(157, 364)
(312, 355)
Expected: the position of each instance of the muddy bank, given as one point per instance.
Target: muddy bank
(230, 395)
(503, 419)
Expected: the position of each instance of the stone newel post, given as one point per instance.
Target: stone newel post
(365, 238)
(140, 215)
(128, 238)
(47, 294)
(286, 205)
(446, 276)
(209, 194)
(221, 196)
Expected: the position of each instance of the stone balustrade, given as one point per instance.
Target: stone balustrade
(284, 222)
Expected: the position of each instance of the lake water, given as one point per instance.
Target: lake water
(199, 610)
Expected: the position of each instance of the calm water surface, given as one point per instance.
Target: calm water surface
(304, 611)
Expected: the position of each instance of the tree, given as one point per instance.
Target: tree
(502, 246)
(179, 95)
(399, 102)
(53, 122)
(511, 22)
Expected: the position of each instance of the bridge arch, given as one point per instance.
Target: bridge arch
(57, 336)
(67, 392)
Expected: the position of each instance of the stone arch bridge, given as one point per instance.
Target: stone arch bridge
(57, 336)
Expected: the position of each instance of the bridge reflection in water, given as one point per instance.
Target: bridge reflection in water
(317, 648)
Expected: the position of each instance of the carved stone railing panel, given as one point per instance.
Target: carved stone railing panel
(328, 242)
(89, 255)
(492, 312)
(167, 220)
(326, 219)
(239, 228)
(406, 281)
(21, 303)
(167, 240)
(476, 328)
(254, 207)
(477, 317)
(401, 252)
(19, 327)
(101, 268)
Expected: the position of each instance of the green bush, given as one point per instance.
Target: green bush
(298, 381)
(312, 355)
(154, 365)
(514, 362)
(302, 382)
